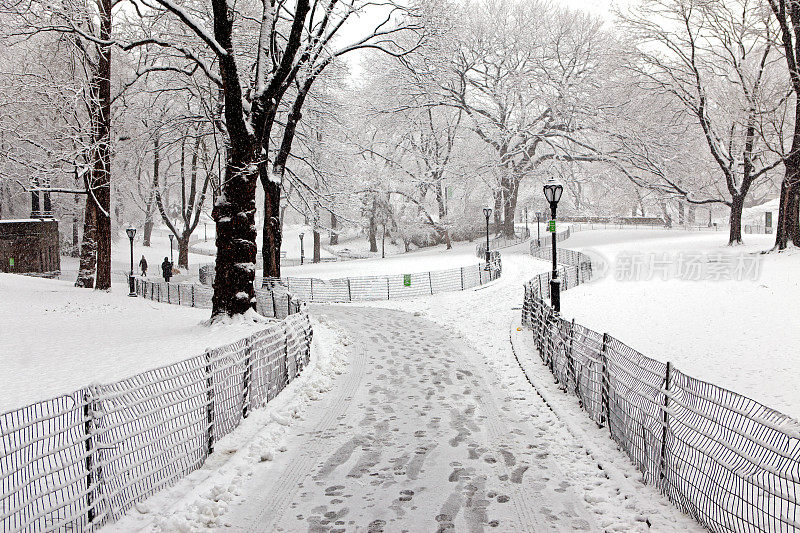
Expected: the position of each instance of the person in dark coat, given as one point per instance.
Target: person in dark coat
(166, 269)
(143, 266)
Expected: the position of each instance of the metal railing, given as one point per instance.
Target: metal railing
(273, 304)
(81, 460)
(746, 228)
(498, 243)
(372, 288)
(728, 461)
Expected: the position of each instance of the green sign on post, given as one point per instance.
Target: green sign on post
(551, 226)
(11, 261)
(407, 280)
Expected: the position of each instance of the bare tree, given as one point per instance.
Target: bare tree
(716, 59)
(294, 46)
(531, 96)
(787, 13)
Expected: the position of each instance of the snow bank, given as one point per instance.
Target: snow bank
(57, 338)
(741, 335)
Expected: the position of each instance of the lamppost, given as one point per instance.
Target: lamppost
(552, 191)
(487, 212)
(538, 231)
(131, 234)
(302, 251)
(171, 236)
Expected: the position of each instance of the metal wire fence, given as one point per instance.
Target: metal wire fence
(728, 461)
(371, 288)
(81, 460)
(269, 303)
(500, 242)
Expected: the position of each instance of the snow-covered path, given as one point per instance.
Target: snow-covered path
(412, 438)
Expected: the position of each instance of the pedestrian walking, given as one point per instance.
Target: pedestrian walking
(166, 269)
(143, 266)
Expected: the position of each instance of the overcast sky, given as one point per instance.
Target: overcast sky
(358, 27)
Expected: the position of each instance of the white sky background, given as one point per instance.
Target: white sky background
(358, 27)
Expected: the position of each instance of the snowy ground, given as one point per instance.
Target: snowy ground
(739, 334)
(434, 426)
(155, 254)
(416, 415)
(56, 338)
(423, 260)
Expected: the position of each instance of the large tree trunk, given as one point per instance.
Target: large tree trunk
(88, 255)
(317, 251)
(102, 152)
(334, 226)
(183, 251)
(373, 227)
(788, 227)
(665, 213)
(444, 232)
(234, 214)
(498, 206)
(735, 236)
(148, 231)
(511, 188)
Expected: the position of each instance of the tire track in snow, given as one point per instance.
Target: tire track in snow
(278, 492)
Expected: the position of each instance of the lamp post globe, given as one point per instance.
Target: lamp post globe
(552, 193)
(487, 212)
(302, 251)
(131, 231)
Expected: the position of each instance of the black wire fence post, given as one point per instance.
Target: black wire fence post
(665, 422)
(605, 383)
(246, 380)
(571, 360)
(209, 405)
(88, 428)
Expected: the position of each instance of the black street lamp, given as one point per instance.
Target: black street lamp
(538, 231)
(171, 236)
(552, 191)
(302, 251)
(487, 212)
(131, 234)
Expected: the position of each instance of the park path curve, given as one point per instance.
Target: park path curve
(412, 438)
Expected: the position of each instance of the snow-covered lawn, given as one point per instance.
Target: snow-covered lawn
(740, 334)
(56, 338)
(155, 254)
(423, 260)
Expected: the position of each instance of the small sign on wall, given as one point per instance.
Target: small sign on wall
(406, 280)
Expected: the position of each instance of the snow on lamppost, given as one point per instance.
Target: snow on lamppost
(552, 191)
(131, 234)
(302, 252)
(487, 212)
